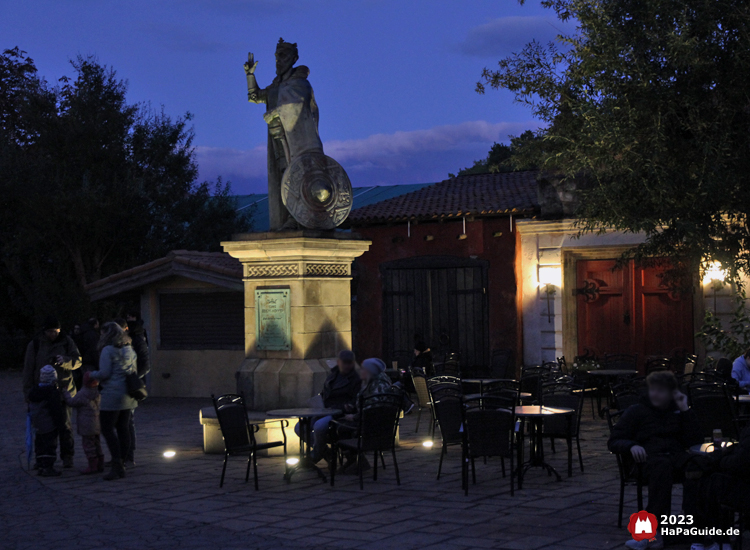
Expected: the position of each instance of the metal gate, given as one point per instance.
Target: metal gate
(442, 298)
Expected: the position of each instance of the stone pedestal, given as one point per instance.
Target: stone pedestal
(310, 273)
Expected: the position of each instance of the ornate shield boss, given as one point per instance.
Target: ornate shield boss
(316, 191)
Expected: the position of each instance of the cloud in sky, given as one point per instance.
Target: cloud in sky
(380, 159)
(508, 34)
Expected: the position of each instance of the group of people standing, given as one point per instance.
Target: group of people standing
(87, 372)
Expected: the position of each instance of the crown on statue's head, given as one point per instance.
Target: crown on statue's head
(288, 46)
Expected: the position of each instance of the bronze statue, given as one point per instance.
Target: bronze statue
(302, 181)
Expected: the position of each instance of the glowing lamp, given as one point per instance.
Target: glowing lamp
(427, 444)
(714, 275)
(169, 454)
(292, 461)
(549, 279)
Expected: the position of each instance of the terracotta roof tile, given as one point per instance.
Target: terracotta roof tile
(216, 262)
(474, 195)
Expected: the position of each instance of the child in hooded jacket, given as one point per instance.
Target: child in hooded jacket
(86, 401)
(48, 418)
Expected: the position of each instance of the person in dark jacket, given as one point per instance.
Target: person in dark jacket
(89, 341)
(48, 418)
(339, 392)
(726, 490)
(52, 347)
(657, 432)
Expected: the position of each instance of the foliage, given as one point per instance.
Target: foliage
(731, 342)
(648, 104)
(505, 158)
(92, 185)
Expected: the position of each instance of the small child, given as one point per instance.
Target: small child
(48, 418)
(87, 402)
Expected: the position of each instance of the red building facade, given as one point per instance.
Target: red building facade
(443, 265)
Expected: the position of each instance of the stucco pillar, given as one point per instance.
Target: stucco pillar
(297, 311)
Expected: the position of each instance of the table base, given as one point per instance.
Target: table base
(536, 460)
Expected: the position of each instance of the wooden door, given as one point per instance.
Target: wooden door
(604, 308)
(630, 310)
(444, 299)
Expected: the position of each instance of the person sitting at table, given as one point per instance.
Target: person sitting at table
(422, 356)
(339, 392)
(657, 432)
(741, 370)
(725, 491)
(374, 381)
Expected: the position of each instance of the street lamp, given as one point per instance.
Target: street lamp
(549, 279)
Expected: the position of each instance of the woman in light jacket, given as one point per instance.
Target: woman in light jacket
(117, 359)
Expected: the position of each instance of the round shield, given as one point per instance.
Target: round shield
(316, 191)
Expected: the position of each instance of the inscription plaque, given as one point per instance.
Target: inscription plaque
(272, 320)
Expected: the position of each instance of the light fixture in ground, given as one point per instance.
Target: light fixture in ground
(427, 444)
(169, 454)
(292, 461)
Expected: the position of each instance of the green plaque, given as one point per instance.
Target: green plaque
(273, 331)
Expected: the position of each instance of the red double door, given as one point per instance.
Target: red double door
(630, 310)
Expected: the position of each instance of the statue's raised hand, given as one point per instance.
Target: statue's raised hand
(250, 64)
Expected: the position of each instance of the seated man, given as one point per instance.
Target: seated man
(657, 432)
(741, 371)
(374, 381)
(725, 491)
(339, 392)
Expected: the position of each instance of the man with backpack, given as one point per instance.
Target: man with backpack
(52, 347)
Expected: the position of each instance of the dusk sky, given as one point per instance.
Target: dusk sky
(394, 79)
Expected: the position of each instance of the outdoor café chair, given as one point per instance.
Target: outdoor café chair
(488, 432)
(424, 401)
(714, 407)
(376, 433)
(239, 433)
(656, 364)
(501, 364)
(449, 415)
(631, 473)
(626, 394)
(565, 396)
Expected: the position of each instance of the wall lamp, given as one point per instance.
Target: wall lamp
(550, 279)
(714, 278)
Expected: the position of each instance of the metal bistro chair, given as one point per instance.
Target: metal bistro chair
(501, 364)
(376, 434)
(656, 364)
(424, 401)
(569, 396)
(239, 433)
(444, 379)
(714, 408)
(626, 394)
(449, 414)
(532, 379)
(631, 473)
(488, 432)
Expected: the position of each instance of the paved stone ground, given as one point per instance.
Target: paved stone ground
(177, 503)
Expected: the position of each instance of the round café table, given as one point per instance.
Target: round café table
(535, 414)
(305, 417)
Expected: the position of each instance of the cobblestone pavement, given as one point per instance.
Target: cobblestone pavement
(177, 503)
